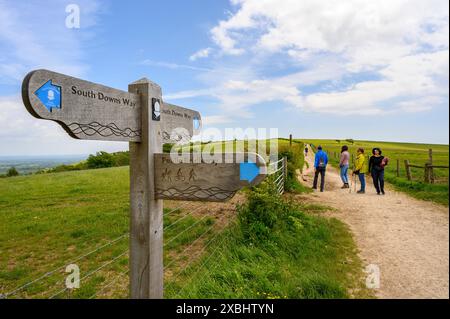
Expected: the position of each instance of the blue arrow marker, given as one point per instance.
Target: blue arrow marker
(248, 171)
(50, 95)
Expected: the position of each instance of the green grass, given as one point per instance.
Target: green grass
(301, 256)
(416, 154)
(49, 220)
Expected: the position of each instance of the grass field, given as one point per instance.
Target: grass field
(416, 153)
(51, 220)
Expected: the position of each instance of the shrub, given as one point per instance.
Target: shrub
(12, 172)
(100, 160)
(266, 214)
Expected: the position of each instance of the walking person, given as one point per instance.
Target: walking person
(343, 165)
(320, 165)
(376, 169)
(361, 169)
(306, 150)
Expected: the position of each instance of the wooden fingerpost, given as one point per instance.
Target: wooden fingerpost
(408, 170)
(290, 139)
(146, 212)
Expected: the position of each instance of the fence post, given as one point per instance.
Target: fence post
(430, 161)
(290, 139)
(285, 168)
(428, 169)
(398, 167)
(408, 170)
(146, 212)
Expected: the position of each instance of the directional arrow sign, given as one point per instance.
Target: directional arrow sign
(206, 181)
(179, 124)
(49, 95)
(248, 171)
(93, 111)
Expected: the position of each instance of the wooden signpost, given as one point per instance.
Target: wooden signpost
(92, 111)
(215, 181)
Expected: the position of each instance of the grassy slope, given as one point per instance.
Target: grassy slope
(46, 221)
(316, 258)
(416, 154)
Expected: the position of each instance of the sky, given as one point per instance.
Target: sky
(361, 69)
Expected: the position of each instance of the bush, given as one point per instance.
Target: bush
(12, 172)
(258, 216)
(100, 160)
(105, 159)
(266, 214)
(121, 158)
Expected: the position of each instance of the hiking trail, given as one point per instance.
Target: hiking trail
(408, 239)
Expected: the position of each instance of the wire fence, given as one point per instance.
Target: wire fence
(277, 172)
(193, 237)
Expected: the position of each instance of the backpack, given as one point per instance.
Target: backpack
(384, 162)
(321, 162)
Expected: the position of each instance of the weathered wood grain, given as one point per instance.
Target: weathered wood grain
(203, 180)
(96, 112)
(88, 110)
(146, 219)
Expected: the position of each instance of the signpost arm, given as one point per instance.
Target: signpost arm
(146, 212)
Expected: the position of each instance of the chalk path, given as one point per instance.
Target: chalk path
(407, 239)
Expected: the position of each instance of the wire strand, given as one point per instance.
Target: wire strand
(214, 267)
(63, 266)
(190, 262)
(92, 272)
(200, 268)
(185, 216)
(173, 238)
(190, 246)
(109, 284)
(175, 209)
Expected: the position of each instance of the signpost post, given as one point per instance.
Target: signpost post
(93, 111)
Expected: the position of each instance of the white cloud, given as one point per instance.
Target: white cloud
(31, 38)
(215, 119)
(202, 53)
(362, 57)
(17, 123)
(170, 65)
(33, 35)
(22, 134)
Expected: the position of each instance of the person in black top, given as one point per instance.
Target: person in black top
(376, 169)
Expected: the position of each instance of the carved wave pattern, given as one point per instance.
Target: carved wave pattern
(177, 137)
(110, 129)
(196, 193)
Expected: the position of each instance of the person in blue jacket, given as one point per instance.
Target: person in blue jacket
(320, 165)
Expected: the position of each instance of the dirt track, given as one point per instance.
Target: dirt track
(407, 239)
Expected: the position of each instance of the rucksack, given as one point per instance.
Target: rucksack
(321, 162)
(384, 162)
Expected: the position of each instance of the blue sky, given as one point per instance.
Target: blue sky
(318, 69)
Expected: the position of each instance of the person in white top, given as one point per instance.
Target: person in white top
(343, 165)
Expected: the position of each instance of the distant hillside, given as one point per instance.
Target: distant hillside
(31, 164)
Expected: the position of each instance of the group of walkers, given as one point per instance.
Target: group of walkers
(375, 167)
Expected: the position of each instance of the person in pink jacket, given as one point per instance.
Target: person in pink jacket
(343, 165)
